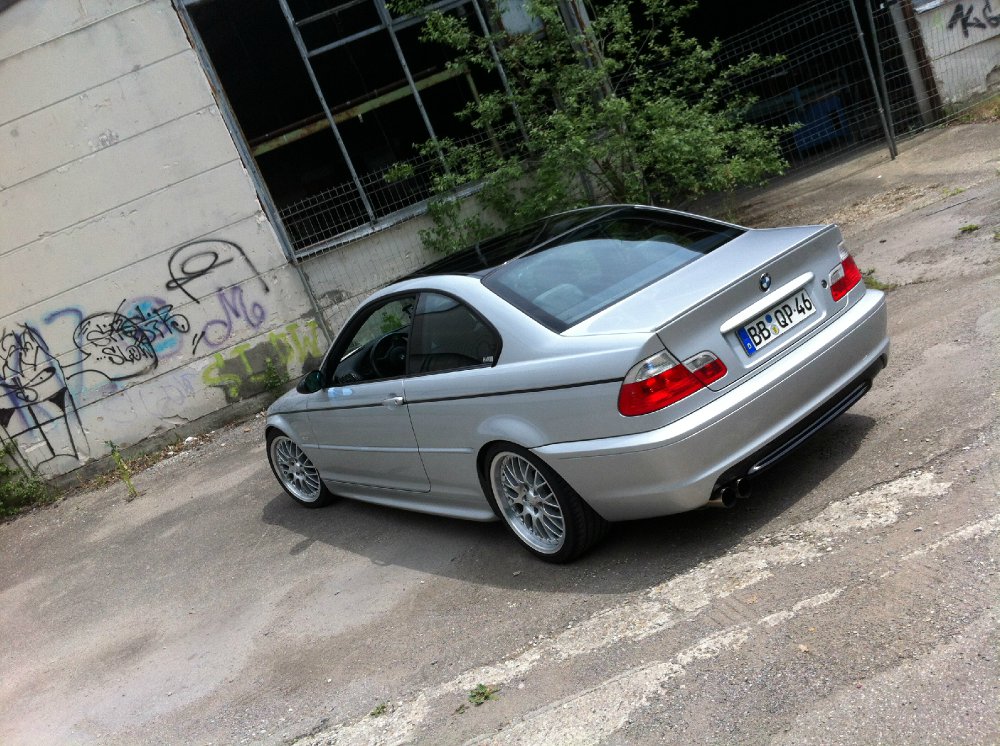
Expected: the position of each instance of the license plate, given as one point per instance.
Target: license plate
(776, 321)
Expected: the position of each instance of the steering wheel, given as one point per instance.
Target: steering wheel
(388, 355)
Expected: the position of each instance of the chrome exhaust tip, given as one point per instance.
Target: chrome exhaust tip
(723, 497)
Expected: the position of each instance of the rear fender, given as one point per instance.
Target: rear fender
(512, 429)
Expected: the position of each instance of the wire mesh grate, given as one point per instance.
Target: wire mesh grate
(329, 217)
(820, 91)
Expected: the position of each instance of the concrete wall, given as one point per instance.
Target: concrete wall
(344, 276)
(962, 40)
(142, 286)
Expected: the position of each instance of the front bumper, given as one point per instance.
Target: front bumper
(674, 468)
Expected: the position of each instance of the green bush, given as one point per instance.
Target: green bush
(18, 491)
(630, 110)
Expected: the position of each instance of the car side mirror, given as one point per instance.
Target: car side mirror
(311, 382)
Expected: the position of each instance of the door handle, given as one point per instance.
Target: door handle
(392, 402)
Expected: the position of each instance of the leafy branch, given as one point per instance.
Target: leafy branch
(629, 109)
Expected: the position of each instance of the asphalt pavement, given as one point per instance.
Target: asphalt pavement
(854, 598)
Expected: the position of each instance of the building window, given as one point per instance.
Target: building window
(329, 98)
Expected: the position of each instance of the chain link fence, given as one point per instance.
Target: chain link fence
(849, 76)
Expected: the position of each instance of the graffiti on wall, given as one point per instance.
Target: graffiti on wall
(197, 261)
(194, 270)
(36, 404)
(965, 17)
(52, 370)
(233, 311)
(242, 371)
(123, 344)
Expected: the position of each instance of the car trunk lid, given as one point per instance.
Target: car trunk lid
(748, 302)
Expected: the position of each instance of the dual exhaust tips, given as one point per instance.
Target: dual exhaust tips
(726, 495)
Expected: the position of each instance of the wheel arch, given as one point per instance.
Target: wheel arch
(482, 468)
(583, 526)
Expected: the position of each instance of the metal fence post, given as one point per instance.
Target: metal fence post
(890, 140)
(880, 72)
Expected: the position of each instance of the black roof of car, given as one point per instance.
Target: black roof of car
(492, 252)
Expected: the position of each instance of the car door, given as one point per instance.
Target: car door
(451, 354)
(360, 421)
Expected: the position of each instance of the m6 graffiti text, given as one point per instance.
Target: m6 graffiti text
(77, 364)
(234, 308)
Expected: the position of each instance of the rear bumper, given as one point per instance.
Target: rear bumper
(674, 468)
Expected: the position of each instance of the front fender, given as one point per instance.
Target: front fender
(295, 425)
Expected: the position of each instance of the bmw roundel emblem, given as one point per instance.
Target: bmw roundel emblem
(765, 282)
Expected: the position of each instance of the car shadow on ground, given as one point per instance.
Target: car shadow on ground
(634, 556)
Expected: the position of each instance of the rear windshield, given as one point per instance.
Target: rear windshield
(595, 266)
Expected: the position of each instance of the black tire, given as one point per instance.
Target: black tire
(295, 472)
(545, 514)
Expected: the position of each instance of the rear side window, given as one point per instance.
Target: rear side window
(589, 269)
(447, 335)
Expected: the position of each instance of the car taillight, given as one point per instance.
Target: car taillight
(845, 277)
(660, 381)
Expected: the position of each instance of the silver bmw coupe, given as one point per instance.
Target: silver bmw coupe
(604, 364)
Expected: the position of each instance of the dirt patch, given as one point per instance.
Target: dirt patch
(936, 167)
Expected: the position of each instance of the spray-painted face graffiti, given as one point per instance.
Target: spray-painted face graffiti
(192, 265)
(191, 269)
(37, 411)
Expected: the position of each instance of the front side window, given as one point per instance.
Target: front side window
(448, 335)
(377, 348)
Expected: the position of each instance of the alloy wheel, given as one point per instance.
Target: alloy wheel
(295, 470)
(528, 502)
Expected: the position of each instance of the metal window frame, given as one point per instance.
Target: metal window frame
(390, 25)
(387, 23)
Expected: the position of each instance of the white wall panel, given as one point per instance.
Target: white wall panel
(102, 117)
(143, 287)
(153, 225)
(80, 60)
(158, 158)
(29, 24)
(962, 40)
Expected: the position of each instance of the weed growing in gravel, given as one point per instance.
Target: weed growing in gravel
(123, 471)
(970, 228)
(482, 693)
(380, 709)
(874, 283)
(984, 111)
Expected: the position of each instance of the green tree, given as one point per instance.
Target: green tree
(628, 109)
